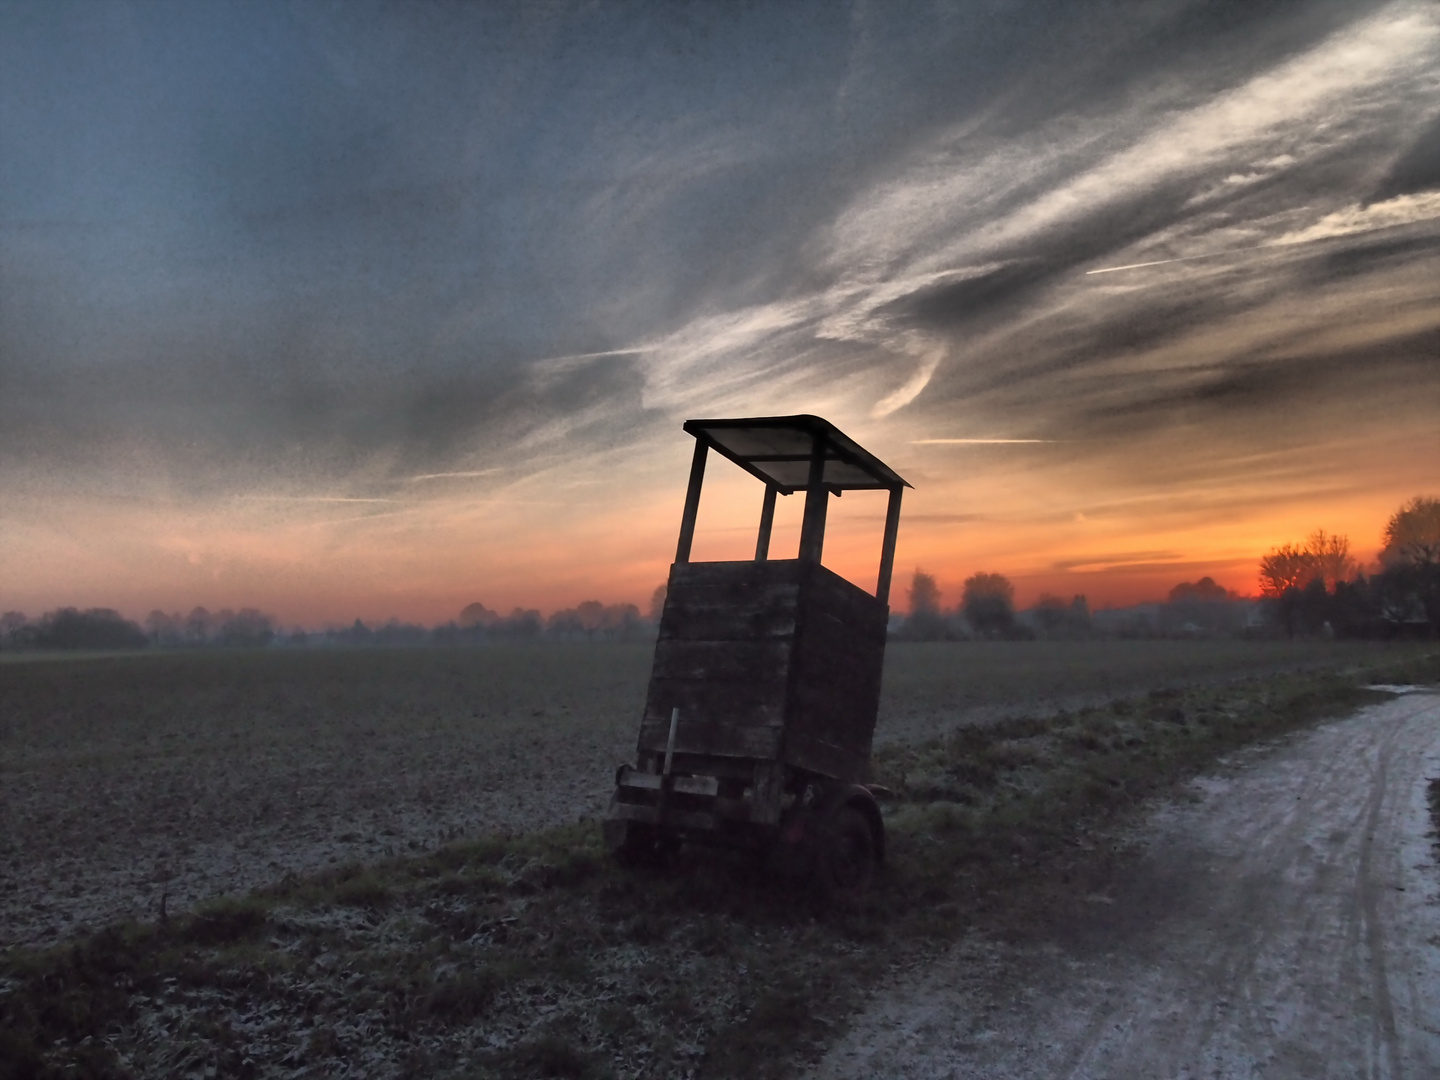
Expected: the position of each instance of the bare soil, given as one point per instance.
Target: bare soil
(182, 778)
(1281, 920)
(130, 781)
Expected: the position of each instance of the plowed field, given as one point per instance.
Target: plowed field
(125, 781)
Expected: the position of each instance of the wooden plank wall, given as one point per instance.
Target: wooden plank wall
(723, 657)
(768, 660)
(835, 678)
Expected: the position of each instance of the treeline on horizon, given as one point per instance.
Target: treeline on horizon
(1313, 588)
(106, 629)
(1310, 589)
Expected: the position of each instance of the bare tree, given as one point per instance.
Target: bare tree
(1331, 555)
(1324, 557)
(1287, 567)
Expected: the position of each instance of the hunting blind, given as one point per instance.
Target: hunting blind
(764, 690)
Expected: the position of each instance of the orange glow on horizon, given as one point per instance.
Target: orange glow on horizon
(426, 562)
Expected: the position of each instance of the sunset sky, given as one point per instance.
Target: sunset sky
(364, 309)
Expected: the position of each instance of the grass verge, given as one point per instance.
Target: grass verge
(533, 956)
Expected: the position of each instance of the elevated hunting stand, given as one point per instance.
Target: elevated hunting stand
(766, 680)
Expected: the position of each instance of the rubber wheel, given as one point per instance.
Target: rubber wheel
(845, 859)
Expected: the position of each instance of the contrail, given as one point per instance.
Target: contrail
(1183, 258)
(595, 355)
(315, 498)
(448, 475)
(978, 442)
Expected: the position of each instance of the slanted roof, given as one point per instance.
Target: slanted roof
(776, 450)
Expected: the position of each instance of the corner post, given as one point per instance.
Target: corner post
(817, 498)
(767, 521)
(887, 548)
(692, 500)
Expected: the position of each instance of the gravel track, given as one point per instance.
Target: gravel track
(1281, 921)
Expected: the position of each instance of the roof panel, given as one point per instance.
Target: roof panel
(777, 450)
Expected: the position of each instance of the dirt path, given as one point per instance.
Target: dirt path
(1284, 923)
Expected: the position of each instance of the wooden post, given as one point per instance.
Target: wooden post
(887, 548)
(670, 741)
(692, 501)
(817, 498)
(767, 520)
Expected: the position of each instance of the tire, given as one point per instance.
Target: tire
(846, 857)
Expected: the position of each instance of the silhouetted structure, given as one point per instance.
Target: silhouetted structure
(766, 679)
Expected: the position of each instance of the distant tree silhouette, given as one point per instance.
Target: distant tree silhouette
(924, 594)
(198, 625)
(925, 622)
(247, 628)
(988, 602)
(1201, 607)
(1407, 590)
(167, 630)
(591, 617)
(657, 602)
(1332, 558)
(1412, 535)
(1298, 582)
(1323, 556)
(1058, 619)
(97, 628)
(394, 632)
(563, 623)
(621, 621)
(477, 614)
(16, 630)
(590, 614)
(357, 634)
(1202, 590)
(1286, 567)
(522, 623)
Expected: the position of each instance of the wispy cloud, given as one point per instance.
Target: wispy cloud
(910, 389)
(1354, 219)
(984, 220)
(1113, 560)
(979, 442)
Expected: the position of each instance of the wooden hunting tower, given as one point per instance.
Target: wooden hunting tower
(766, 679)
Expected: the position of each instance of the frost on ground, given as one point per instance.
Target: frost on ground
(179, 777)
(1282, 922)
(186, 778)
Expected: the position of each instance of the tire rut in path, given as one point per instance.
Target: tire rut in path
(1283, 921)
